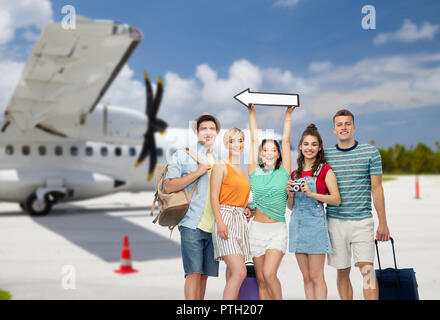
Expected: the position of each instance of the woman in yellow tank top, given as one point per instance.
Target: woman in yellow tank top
(229, 197)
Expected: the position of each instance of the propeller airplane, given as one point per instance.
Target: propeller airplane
(59, 144)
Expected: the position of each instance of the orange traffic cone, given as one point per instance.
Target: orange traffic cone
(417, 188)
(125, 259)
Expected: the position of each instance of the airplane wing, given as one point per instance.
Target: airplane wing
(69, 71)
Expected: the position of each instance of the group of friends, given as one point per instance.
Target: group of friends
(221, 223)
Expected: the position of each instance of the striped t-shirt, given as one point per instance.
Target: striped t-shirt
(269, 191)
(353, 168)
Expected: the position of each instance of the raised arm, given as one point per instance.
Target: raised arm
(285, 144)
(253, 150)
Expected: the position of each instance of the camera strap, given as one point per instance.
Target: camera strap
(318, 170)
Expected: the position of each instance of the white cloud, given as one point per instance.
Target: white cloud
(126, 91)
(286, 3)
(16, 14)
(370, 85)
(428, 83)
(320, 66)
(409, 32)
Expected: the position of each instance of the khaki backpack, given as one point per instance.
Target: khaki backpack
(172, 206)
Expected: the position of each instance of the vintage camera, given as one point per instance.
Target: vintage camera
(296, 186)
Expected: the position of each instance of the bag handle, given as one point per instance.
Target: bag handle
(395, 264)
(193, 155)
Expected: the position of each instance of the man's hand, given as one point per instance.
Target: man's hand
(203, 167)
(382, 233)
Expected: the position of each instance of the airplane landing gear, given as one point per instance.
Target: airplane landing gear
(37, 207)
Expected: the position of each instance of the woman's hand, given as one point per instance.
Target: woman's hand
(222, 231)
(305, 189)
(248, 213)
(290, 110)
(289, 185)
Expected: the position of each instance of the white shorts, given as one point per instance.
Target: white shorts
(351, 236)
(264, 236)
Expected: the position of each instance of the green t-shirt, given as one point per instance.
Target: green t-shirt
(353, 168)
(269, 191)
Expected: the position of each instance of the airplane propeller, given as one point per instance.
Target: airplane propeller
(154, 124)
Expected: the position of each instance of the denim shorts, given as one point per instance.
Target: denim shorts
(198, 252)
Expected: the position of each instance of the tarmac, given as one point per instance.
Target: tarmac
(72, 253)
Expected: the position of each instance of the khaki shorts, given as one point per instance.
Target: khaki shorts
(351, 236)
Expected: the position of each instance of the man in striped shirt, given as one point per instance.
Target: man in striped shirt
(358, 169)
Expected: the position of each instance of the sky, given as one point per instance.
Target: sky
(208, 51)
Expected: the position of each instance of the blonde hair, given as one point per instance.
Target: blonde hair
(231, 133)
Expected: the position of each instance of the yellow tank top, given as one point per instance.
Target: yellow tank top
(235, 189)
(207, 218)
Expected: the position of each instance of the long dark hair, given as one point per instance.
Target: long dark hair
(311, 130)
(279, 160)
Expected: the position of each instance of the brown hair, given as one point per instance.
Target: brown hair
(206, 117)
(311, 130)
(343, 112)
(279, 160)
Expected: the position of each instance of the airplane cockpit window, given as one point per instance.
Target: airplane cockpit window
(9, 150)
(25, 150)
(159, 152)
(132, 152)
(58, 151)
(118, 151)
(74, 151)
(42, 150)
(89, 151)
(104, 151)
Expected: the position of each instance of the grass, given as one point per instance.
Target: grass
(384, 179)
(4, 295)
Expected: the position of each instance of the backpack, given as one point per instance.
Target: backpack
(172, 206)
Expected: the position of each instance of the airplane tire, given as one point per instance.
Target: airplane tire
(37, 208)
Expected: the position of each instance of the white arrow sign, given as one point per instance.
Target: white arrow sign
(269, 99)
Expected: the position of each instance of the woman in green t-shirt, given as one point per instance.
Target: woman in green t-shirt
(268, 179)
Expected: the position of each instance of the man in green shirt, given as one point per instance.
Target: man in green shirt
(358, 169)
